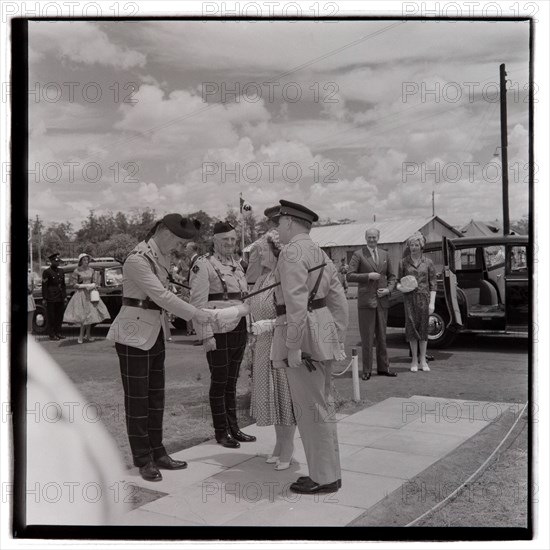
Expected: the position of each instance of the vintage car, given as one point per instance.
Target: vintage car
(110, 291)
(483, 287)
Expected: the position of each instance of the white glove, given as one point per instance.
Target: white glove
(294, 358)
(341, 355)
(265, 325)
(209, 344)
(431, 308)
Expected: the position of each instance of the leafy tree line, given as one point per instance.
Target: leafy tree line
(116, 234)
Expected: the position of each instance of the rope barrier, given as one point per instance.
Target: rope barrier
(475, 474)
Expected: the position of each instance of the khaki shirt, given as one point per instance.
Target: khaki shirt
(206, 280)
(317, 332)
(145, 274)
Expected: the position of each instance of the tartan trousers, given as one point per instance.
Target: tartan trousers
(224, 363)
(142, 375)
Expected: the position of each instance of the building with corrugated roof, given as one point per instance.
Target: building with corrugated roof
(341, 241)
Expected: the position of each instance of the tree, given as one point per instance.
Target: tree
(118, 246)
(521, 226)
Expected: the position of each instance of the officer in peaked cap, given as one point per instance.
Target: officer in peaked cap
(54, 292)
(218, 282)
(312, 317)
(139, 332)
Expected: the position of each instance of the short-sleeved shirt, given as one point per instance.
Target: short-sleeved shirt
(424, 273)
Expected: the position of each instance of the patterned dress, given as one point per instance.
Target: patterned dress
(417, 302)
(271, 402)
(81, 309)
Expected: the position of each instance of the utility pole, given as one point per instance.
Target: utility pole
(433, 203)
(504, 149)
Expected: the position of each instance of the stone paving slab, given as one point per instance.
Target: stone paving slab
(381, 447)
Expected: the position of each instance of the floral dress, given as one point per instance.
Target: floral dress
(80, 308)
(417, 302)
(270, 402)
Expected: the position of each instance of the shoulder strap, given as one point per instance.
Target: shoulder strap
(222, 280)
(315, 288)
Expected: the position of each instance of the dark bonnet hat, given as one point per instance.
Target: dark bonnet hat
(222, 227)
(272, 212)
(184, 228)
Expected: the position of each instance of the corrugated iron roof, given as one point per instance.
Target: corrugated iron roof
(353, 234)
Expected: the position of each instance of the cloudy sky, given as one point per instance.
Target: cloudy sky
(352, 118)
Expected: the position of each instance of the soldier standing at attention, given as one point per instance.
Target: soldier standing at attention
(54, 293)
(139, 332)
(312, 318)
(218, 282)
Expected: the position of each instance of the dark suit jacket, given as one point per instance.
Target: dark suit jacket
(361, 264)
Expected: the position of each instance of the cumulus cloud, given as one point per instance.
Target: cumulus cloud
(80, 42)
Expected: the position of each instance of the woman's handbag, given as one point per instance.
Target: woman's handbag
(94, 296)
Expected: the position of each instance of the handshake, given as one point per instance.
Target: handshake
(221, 316)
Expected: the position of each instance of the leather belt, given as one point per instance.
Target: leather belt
(315, 304)
(143, 304)
(222, 296)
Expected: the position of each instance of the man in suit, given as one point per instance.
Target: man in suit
(218, 282)
(139, 332)
(371, 268)
(54, 292)
(312, 317)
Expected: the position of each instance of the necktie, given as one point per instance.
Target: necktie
(375, 252)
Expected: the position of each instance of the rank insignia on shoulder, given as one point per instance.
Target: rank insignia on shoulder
(195, 269)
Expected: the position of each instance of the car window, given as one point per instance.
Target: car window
(68, 281)
(113, 276)
(467, 259)
(494, 256)
(518, 258)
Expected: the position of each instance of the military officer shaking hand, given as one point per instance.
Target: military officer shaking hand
(139, 332)
(218, 282)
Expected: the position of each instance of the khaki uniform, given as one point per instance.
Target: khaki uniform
(218, 282)
(318, 332)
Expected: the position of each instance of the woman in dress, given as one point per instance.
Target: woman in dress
(420, 302)
(80, 308)
(271, 404)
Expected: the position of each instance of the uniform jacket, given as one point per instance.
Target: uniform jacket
(362, 263)
(53, 285)
(206, 280)
(145, 274)
(317, 332)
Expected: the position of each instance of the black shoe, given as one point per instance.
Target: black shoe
(306, 478)
(54, 338)
(387, 373)
(61, 337)
(365, 377)
(240, 436)
(150, 472)
(228, 441)
(429, 357)
(312, 488)
(168, 463)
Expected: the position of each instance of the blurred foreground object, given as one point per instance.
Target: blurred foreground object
(74, 469)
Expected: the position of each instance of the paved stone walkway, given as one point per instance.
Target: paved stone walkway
(381, 448)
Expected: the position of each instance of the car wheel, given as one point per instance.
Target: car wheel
(439, 336)
(40, 321)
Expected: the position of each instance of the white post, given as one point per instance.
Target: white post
(355, 374)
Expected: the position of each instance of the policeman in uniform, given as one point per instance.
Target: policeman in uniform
(140, 330)
(312, 317)
(218, 282)
(54, 292)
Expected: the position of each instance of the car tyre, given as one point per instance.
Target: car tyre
(40, 320)
(439, 335)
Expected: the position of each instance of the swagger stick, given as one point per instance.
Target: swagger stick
(277, 284)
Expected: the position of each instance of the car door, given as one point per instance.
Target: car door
(450, 284)
(517, 287)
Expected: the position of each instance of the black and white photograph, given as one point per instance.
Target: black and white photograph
(280, 272)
